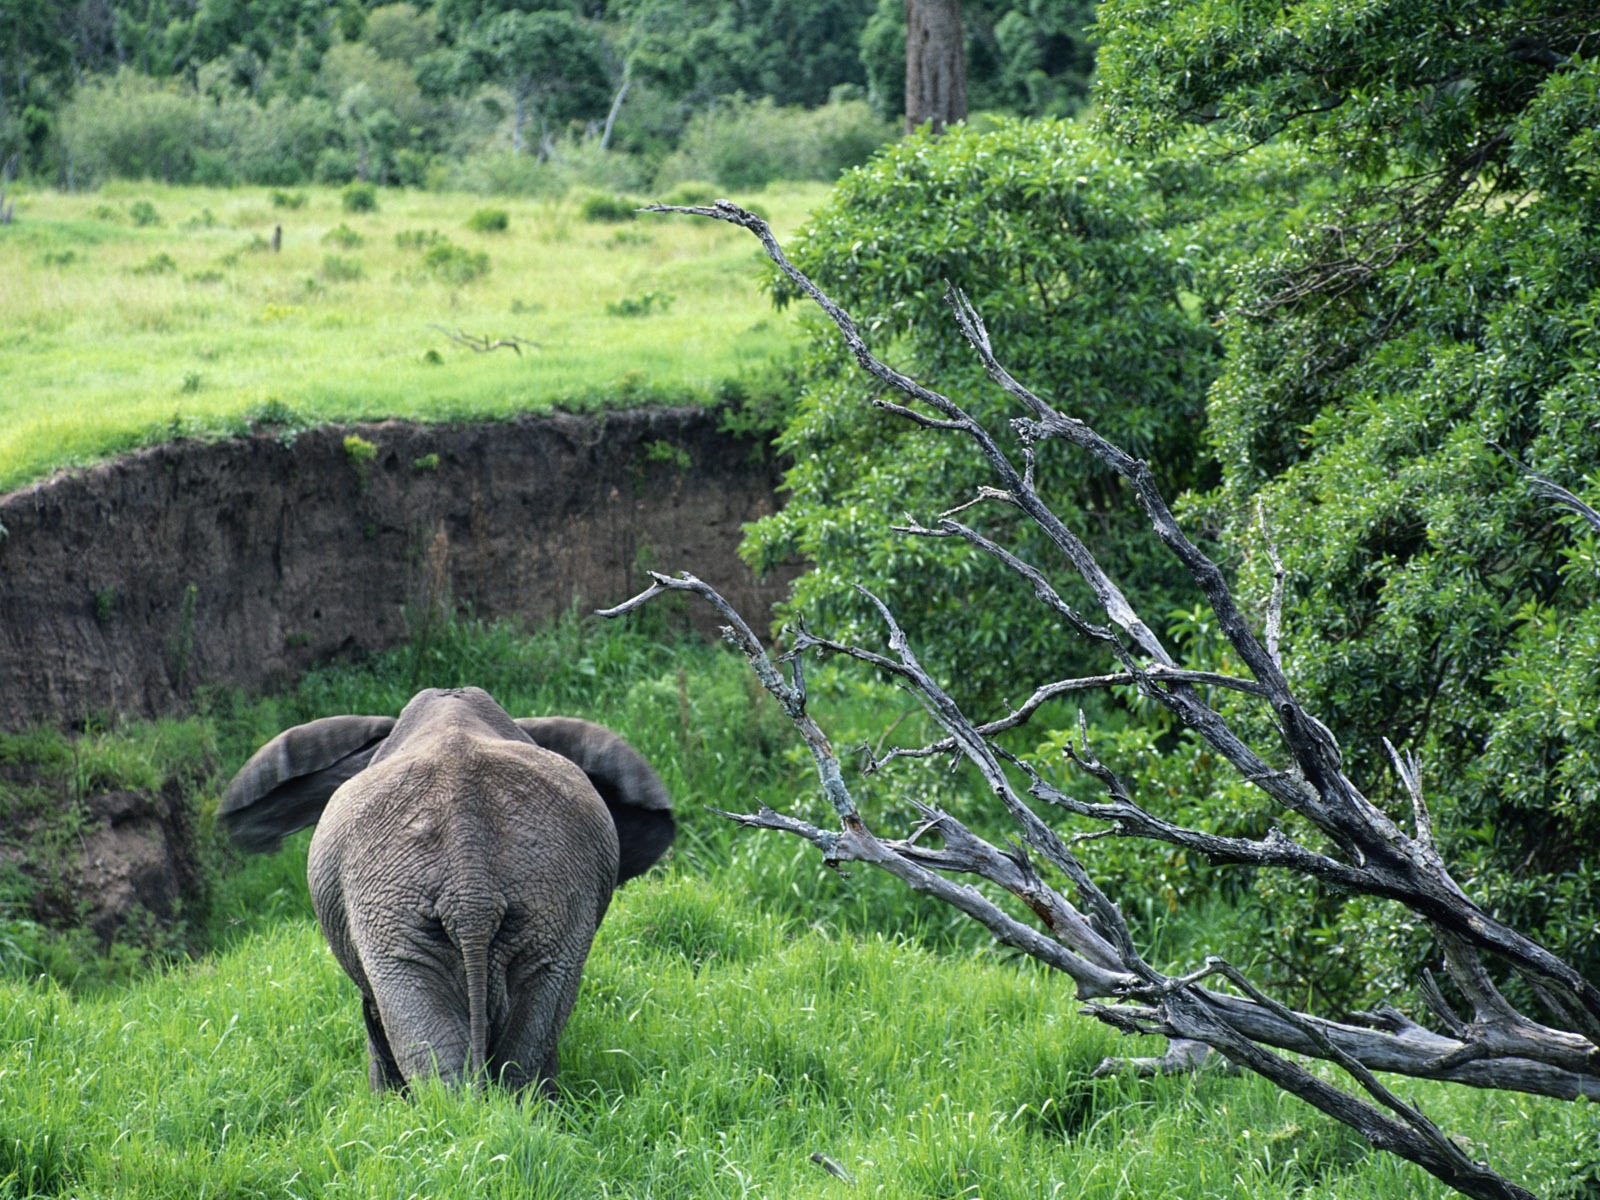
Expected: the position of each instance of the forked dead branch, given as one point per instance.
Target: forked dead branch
(1496, 1045)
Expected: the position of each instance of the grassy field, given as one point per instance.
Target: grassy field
(140, 312)
(744, 1010)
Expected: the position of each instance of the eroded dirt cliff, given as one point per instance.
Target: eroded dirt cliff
(126, 586)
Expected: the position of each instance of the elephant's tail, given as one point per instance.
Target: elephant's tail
(474, 947)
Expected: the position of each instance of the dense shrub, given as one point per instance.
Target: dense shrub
(489, 220)
(359, 198)
(747, 143)
(453, 264)
(1099, 282)
(600, 207)
(130, 126)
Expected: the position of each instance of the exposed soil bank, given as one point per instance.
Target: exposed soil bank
(126, 586)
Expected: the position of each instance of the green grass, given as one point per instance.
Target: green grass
(744, 1009)
(119, 334)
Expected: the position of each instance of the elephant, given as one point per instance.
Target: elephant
(461, 865)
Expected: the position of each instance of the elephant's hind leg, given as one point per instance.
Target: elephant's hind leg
(524, 1053)
(383, 1072)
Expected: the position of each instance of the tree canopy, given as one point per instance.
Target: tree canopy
(1395, 371)
(643, 71)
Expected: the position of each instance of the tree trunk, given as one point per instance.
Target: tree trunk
(936, 64)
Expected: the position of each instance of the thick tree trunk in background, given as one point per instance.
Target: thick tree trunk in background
(936, 64)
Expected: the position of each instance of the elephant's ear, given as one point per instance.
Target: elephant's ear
(640, 805)
(286, 783)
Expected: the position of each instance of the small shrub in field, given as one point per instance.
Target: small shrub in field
(282, 199)
(60, 258)
(359, 198)
(159, 264)
(209, 276)
(601, 207)
(640, 306)
(143, 214)
(417, 239)
(344, 237)
(692, 192)
(336, 268)
(489, 220)
(454, 265)
(629, 238)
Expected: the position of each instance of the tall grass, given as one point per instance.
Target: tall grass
(141, 312)
(744, 1010)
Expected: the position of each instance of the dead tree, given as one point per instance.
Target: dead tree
(1495, 1045)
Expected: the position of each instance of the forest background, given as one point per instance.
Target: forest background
(287, 92)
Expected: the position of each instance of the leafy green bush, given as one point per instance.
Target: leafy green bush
(454, 264)
(691, 192)
(641, 305)
(335, 165)
(156, 264)
(1390, 373)
(748, 143)
(1098, 281)
(130, 126)
(599, 207)
(291, 200)
(359, 198)
(143, 214)
(418, 239)
(344, 237)
(489, 220)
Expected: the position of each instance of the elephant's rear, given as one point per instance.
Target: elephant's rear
(471, 874)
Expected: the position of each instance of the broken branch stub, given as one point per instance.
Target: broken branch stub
(1301, 769)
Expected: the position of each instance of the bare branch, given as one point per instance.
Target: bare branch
(483, 344)
(1550, 490)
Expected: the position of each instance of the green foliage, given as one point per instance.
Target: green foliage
(143, 214)
(489, 220)
(744, 143)
(289, 200)
(600, 207)
(359, 198)
(641, 305)
(359, 451)
(1033, 59)
(1388, 83)
(157, 264)
(551, 62)
(344, 237)
(1390, 373)
(1097, 280)
(454, 265)
(418, 239)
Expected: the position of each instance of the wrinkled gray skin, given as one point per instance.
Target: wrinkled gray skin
(460, 867)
